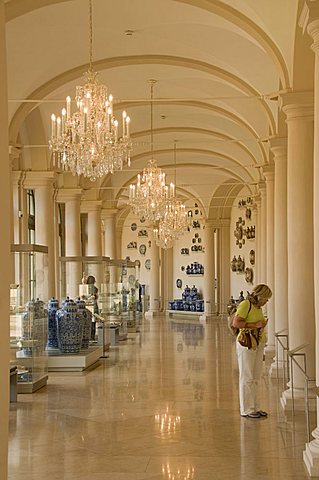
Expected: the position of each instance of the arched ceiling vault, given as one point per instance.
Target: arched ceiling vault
(216, 62)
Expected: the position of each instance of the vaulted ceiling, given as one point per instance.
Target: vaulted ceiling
(218, 64)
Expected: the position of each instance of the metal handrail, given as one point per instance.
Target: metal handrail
(285, 349)
(296, 353)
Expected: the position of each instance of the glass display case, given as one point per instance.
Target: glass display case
(109, 287)
(123, 295)
(87, 278)
(28, 316)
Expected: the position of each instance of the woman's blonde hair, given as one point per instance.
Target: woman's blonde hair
(260, 292)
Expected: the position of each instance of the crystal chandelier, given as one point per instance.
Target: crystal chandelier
(175, 220)
(149, 196)
(87, 141)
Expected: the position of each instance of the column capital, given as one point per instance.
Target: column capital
(108, 213)
(65, 195)
(269, 173)
(298, 105)
(39, 179)
(309, 20)
(278, 146)
(88, 206)
(14, 152)
(262, 188)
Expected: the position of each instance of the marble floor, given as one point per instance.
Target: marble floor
(163, 406)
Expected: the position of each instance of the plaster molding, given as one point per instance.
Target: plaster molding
(65, 195)
(36, 179)
(88, 206)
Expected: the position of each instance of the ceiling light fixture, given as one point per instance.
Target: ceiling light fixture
(87, 142)
(148, 197)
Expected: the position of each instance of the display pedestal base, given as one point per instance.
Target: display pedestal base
(31, 387)
(185, 314)
(61, 362)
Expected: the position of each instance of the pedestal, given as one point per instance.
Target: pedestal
(60, 362)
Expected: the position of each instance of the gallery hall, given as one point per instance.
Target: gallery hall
(159, 236)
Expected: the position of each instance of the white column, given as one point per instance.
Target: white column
(108, 218)
(72, 199)
(4, 252)
(298, 108)
(257, 212)
(209, 265)
(42, 184)
(278, 146)
(269, 175)
(311, 16)
(93, 209)
(262, 233)
(154, 280)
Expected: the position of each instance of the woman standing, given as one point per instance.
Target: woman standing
(250, 316)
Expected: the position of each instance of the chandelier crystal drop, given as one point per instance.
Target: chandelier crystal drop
(87, 142)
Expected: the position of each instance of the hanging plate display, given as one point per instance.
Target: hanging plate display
(131, 279)
(148, 264)
(133, 227)
(142, 249)
(179, 283)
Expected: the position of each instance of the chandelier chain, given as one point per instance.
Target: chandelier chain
(91, 34)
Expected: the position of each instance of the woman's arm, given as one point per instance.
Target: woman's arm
(239, 322)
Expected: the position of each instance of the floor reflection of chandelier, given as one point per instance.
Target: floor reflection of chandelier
(178, 473)
(87, 142)
(148, 197)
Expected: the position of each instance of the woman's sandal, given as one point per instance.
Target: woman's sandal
(262, 413)
(253, 415)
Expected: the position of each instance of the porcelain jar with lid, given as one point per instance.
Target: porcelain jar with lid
(53, 306)
(69, 327)
(87, 321)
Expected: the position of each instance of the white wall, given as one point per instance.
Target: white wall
(237, 280)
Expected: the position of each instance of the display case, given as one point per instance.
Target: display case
(109, 287)
(123, 295)
(88, 278)
(28, 316)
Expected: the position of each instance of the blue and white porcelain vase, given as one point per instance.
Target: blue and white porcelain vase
(69, 327)
(87, 321)
(53, 306)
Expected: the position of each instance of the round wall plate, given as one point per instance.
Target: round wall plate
(148, 264)
(179, 283)
(142, 249)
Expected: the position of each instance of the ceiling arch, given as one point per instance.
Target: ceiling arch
(236, 17)
(108, 63)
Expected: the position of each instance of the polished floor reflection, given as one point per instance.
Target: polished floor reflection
(163, 406)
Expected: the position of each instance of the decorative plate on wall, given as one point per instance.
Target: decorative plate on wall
(142, 249)
(148, 264)
(133, 227)
(179, 283)
(131, 279)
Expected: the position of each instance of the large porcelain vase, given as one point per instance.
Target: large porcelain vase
(69, 327)
(53, 306)
(87, 321)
